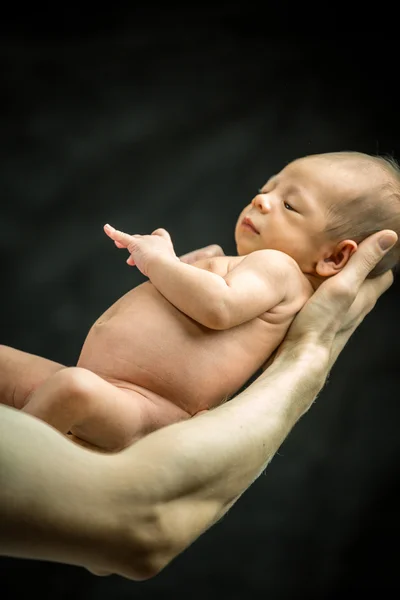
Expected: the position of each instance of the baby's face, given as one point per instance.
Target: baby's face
(290, 211)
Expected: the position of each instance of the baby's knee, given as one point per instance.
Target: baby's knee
(75, 382)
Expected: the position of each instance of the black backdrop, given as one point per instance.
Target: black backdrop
(166, 117)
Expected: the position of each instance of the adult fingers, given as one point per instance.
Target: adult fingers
(368, 255)
(342, 289)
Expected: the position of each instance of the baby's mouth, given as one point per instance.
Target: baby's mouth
(248, 224)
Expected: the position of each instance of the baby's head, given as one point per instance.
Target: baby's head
(320, 207)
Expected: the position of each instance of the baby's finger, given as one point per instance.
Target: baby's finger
(118, 236)
(130, 262)
(118, 244)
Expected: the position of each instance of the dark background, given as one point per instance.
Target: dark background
(167, 117)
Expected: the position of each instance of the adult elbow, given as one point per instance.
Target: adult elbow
(137, 562)
(151, 561)
(162, 544)
(145, 548)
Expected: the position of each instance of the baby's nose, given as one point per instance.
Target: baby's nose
(262, 202)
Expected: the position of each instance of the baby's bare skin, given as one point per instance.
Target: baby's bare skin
(191, 336)
(144, 343)
(145, 364)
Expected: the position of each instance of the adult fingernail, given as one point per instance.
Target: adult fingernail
(386, 242)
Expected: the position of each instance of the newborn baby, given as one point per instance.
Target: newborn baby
(192, 335)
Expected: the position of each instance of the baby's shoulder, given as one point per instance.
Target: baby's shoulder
(297, 287)
(279, 260)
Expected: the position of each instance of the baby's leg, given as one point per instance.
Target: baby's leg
(21, 373)
(79, 401)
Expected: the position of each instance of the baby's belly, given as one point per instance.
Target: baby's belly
(145, 343)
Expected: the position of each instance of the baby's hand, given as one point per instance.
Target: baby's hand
(143, 248)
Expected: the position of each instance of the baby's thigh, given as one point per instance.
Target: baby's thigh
(117, 417)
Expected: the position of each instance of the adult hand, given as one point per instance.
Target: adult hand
(341, 303)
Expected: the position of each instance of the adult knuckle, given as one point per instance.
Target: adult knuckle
(343, 289)
(370, 260)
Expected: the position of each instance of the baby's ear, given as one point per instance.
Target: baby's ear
(331, 264)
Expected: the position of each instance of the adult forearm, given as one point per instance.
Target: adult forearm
(133, 512)
(55, 497)
(212, 459)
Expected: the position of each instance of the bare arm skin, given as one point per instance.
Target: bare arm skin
(133, 512)
(254, 286)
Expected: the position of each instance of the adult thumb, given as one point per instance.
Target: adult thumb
(387, 240)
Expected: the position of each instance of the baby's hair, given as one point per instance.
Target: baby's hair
(376, 209)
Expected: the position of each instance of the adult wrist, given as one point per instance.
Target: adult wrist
(314, 353)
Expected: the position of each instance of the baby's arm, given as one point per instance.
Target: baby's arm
(256, 285)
